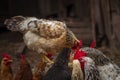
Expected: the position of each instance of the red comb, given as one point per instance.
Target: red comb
(79, 55)
(22, 56)
(77, 45)
(93, 44)
(5, 55)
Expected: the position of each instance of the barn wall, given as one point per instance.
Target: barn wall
(106, 23)
(115, 13)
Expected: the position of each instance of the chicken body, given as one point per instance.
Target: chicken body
(6, 70)
(106, 68)
(60, 69)
(95, 65)
(42, 35)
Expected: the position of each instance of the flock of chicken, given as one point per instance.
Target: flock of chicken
(73, 62)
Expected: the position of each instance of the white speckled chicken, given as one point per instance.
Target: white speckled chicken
(96, 65)
(42, 35)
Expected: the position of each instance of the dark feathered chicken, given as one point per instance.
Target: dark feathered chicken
(59, 70)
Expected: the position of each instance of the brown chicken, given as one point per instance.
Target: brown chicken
(6, 71)
(42, 67)
(38, 71)
(24, 72)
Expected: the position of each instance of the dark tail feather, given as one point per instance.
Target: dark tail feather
(13, 23)
(64, 55)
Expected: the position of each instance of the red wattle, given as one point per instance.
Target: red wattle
(49, 55)
(79, 54)
(82, 62)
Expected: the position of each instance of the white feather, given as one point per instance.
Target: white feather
(108, 72)
(91, 72)
(24, 24)
(77, 73)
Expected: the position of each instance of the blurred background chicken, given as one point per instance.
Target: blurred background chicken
(6, 70)
(25, 71)
(60, 69)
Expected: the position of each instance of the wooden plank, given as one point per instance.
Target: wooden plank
(81, 30)
(107, 21)
(87, 38)
(106, 15)
(84, 36)
(116, 25)
(78, 24)
(92, 9)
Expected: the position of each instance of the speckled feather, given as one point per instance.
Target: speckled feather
(107, 69)
(90, 70)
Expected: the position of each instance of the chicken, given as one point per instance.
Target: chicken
(41, 35)
(60, 69)
(24, 72)
(107, 69)
(97, 64)
(6, 70)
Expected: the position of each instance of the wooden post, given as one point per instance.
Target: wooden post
(107, 20)
(93, 18)
(106, 16)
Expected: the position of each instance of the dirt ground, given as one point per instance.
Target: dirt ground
(10, 42)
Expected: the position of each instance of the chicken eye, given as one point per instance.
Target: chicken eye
(31, 25)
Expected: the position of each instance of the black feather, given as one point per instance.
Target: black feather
(59, 70)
